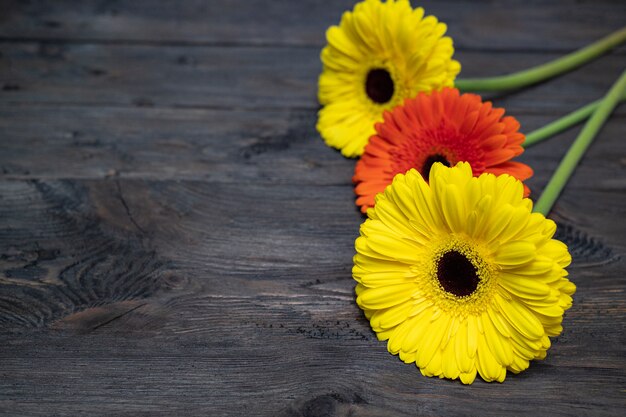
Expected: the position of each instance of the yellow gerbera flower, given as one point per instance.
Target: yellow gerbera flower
(460, 275)
(380, 54)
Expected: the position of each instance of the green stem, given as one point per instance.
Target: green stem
(580, 145)
(563, 123)
(544, 71)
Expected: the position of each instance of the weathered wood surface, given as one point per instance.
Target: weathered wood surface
(508, 25)
(175, 238)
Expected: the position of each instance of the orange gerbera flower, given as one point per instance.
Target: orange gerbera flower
(444, 127)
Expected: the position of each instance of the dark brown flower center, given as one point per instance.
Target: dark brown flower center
(456, 274)
(428, 164)
(379, 86)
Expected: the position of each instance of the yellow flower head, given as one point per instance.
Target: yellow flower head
(459, 275)
(379, 55)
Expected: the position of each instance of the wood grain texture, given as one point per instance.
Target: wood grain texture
(277, 320)
(237, 78)
(176, 239)
(511, 25)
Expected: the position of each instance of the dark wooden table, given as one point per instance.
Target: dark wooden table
(176, 239)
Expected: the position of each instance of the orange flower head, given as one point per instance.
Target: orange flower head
(441, 126)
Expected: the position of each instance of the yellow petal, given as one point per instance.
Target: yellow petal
(520, 318)
(468, 377)
(384, 297)
(558, 251)
(519, 219)
(454, 209)
(479, 217)
(403, 197)
(379, 279)
(413, 339)
(398, 335)
(463, 359)
(431, 341)
(391, 317)
(407, 357)
(515, 253)
(519, 364)
(548, 310)
(364, 264)
(539, 266)
(402, 250)
(498, 345)
(488, 367)
(499, 322)
(498, 222)
(434, 366)
(523, 286)
(472, 336)
(449, 366)
(392, 217)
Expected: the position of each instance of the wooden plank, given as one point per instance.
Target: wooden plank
(239, 78)
(236, 146)
(211, 145)
(329, 378)
(512, 25)
(83, 226)
(134, 383)
(197, 329)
